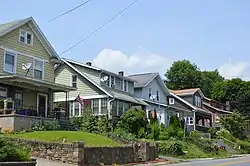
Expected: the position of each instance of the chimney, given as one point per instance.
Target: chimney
(88, 63)
(121, 73)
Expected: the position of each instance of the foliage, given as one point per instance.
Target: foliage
(103, 124)
(46, 125)
(213, 132)
(121, 136)
(236, 91)
(7, 131)
(174, 148)
(142, 133)
(209, 78)
(236, 124)
(182, 75)
(89, 139)
(226, 134)
(10, 151)
(155, 131)
(153, 119)
(174, 122)
(132, 121)
(194, 134)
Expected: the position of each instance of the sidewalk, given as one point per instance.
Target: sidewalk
(45, 162)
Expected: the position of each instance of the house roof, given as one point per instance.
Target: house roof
(143, 79)
(190, 91)
(108, 91)
(99, 69)
(217, 109)
(11, 26)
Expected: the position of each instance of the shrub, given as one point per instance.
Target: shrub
(10, 151)
(213, 132)
(132, 121)
(46, 125)
(226, 134)
(155, 131)
(173, 148)
(194, 134)
(121, 136)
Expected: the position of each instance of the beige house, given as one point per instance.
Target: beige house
(27, 79)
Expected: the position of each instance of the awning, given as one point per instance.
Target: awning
(36, 83)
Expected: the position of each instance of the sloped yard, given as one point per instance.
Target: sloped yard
(70, 136)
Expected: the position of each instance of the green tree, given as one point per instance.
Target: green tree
(182, 75)
(132, 121)
(236, 91)
(209, 78)
(236, 124)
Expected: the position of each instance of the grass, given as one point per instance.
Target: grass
(71, 136)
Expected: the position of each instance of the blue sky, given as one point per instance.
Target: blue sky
(149, 36)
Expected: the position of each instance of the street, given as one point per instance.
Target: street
(239, 161)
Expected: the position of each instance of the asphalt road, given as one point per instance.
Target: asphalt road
(239, 161)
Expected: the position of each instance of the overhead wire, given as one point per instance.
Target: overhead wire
(99, 28)
(82, 4)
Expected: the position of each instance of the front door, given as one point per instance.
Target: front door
(42, 104)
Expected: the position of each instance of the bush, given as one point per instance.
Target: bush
(121, 136)
(213, 131)
(173, 148)
(155, 131)
(10, 151)
(226, 134)
(46, 125)
(194, 134)
(132, 121)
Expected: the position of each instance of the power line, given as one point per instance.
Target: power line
(99, 28)
(82, 4)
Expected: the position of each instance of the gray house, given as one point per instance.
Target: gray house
(105, 92)
(151, 89)
(199, 117)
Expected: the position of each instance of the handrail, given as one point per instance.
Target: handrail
(234, 143)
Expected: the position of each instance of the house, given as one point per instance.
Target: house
(192, 99)
(27, 83)
(218, 109)
(105, 92)
(152, 90)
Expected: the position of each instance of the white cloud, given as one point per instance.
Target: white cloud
(114, 60)
(232, 69)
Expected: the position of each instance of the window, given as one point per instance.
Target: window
(10, 62)
(18, 99)
(95, 106)
(38, 69)
(104, 106)
(190, 120)
(197, 101)
(122, 84)
(120, 108)
(125, 86)
(171, 100)
(149, 93)
(157, 96)
(112, 81)
(77, 109)
(74, 81)
(26, 37)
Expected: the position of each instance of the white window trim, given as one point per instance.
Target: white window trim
(171, 100)
(72, 80)
(15, 59)
(73, 109)
(189, 120)
(25, 39)
(34, 68)
(124, 85)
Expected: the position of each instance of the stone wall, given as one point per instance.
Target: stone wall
(77, 153)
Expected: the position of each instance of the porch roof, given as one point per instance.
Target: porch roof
(36, 83)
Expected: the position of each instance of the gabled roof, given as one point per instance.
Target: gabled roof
(11, 26)
(99, 69)
(142, 80)
(190, 91)
(217, 109)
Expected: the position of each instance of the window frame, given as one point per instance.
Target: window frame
(197, 101)
(72, 106)
(21, 100)
(34, 61)
(104, 105)
(125, 84)
(171, 100)
(15, 61)
(98, 106)
(74, 82)
(189, 120)
(26, 37)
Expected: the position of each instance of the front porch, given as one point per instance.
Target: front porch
(26, 99)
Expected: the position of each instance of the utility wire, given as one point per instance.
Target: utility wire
(99, 28)
(82, 4)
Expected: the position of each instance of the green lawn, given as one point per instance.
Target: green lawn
(57, 136)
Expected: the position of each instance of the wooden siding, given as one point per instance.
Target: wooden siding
(11, 41)
(29, 99)
(92, 74)
(1, 61)
(131, 87)
(64, 74)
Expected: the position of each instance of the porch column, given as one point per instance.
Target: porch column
(66, 106)
(194, 118)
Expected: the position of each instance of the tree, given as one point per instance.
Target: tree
(132, 121)
(182, 75)
(236, 91)
(209, 78)
(236, 124)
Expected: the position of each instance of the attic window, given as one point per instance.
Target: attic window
(26, 37)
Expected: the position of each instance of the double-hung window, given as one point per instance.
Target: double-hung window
(25, 37)
(74, 81)
(10, 62)
(18, 99)
(38, 69)
(95, 106)
(104, 106)
(125, 86)
(157, 96)
(197, 101)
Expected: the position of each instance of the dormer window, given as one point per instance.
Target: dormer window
(26, 37)
(197, 101)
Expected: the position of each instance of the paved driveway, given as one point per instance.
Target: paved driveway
(44, 162)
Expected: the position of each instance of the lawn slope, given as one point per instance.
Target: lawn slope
(57, 136)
